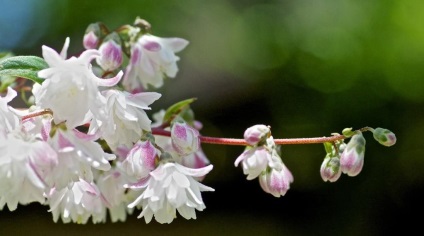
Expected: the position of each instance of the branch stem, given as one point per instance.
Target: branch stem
(242, 142)
(38, 113)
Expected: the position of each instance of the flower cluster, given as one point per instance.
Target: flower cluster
(349, 158)
(261, 159)
(86, 146)
(89, 150)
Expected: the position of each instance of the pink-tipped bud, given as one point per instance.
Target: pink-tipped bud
(90, 40)
(93, 34)
(352, 158)
(276, 182)
(330, 168)
(110, 53)
(140, 160)
(256, 134)
(384, 137)
(111, 56)
(185, 139)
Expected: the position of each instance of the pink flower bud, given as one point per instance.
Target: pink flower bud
(140, 160)
(90, 40)
(330, 168)
(111, 56)
(185, 139)
(352, 158)
(256, 133)
(197, 125)
(276, 182)
(384, 137)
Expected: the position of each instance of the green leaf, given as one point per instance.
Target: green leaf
(23, 66)
(176, 109)
(328, 147)
(347, 132)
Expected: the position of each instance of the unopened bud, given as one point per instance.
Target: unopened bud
(352, 158)
(185, 139)
(256, 134)
(110, 53)
(142, 24)
(276, 182)
(384, 137)
(90, 40)
(93, 34)
(140, 160)
(330, 168)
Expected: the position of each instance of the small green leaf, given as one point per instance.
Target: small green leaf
(23, 66)
(188, 116)
(176, 109)
(347, 132)
(328, 147)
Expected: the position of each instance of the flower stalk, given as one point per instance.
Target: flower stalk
(242, 142)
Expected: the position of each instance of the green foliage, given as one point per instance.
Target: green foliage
(328, 147)
(180, 108)
(22, 66)
(348, 132)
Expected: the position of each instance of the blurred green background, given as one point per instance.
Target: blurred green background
(306, 67)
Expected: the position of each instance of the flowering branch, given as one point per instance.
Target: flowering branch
(119, 161)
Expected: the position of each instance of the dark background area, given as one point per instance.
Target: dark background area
(306, 68)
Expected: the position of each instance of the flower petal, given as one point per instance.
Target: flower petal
(111, 81)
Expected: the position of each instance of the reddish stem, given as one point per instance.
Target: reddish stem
(242, 142)
(38, 113)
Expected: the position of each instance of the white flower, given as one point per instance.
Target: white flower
(77, 203)
(78, 154)
(254, 161)
(8, 119)
(24, 164)
(39, 126)
(71, 89)
(152, 58)
(170, 188)
(125, 119)
(264, 161)
(158, 118)
(111, 185)
(196, 160)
